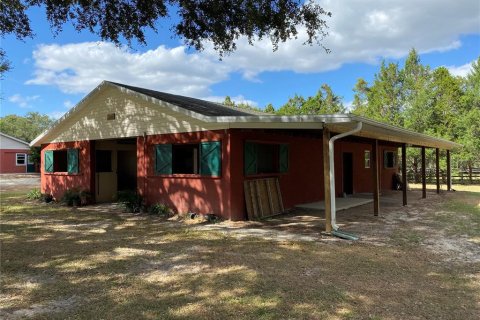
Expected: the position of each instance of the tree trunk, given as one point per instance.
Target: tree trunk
(416, 174)
(470, 175)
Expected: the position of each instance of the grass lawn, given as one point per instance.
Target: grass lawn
(60, 263)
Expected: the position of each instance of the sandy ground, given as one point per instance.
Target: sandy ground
(415, 222)
(418, 225)
(16, 181)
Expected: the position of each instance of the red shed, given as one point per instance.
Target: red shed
(196, 155)
(14, 155)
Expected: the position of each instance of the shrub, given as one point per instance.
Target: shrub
(46, 197)
(160, 209)
(34, 194)
(85, 197)
(130, 200)
(77, 197)
(71, 197)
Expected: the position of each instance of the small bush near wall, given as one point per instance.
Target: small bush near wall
(160, 209)
(34, 194)
(131, 201)
(76, 197)
(47, 198)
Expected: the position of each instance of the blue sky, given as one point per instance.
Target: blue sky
(52, 73)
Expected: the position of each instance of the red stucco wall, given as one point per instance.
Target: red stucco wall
(8, 161)
(386, 174)
(185, 192)
(362, 177)
(57, 183)
(224, 195)
(302, 183)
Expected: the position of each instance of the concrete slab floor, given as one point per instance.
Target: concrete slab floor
(341, 203)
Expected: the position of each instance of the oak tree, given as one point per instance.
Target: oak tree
(217, 22)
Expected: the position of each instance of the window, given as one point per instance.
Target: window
(265, 158)
(103, 161)
(201, 158)
(389, 159)
(367, 159)
(61, 161)
(21, 159)
(185, 159)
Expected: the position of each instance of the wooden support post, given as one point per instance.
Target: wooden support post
(437, 168)
(424, 178)
(326, 180)
(449, 172)
(404, 173)
(376, 188)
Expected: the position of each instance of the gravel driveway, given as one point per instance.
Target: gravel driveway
(16, 181)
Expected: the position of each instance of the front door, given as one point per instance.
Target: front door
(348, 172)
(127, 170)
(105, 175)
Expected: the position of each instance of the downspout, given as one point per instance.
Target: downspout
(144, 165)
(332, 170)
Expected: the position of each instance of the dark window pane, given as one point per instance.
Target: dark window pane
(20, 159)
(103, 161)
(185, 158)
(267, 158)
(60, 161)
(389, 159)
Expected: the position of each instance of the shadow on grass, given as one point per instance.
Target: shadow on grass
(63, 263)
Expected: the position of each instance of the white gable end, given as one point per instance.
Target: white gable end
(131, 116)
(10, 144)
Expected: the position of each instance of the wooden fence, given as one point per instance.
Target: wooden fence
(458, 177)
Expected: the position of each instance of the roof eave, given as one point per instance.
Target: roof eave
(13, 138)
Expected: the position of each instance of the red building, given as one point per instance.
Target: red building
(195, 155)
(14, 155)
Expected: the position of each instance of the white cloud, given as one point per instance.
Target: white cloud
(348, 105)
(78, 68)
(364, 31)
(68, 104)
(23, 101)
(360, 31)
(56, 114)
(237, 99)
(460, 71)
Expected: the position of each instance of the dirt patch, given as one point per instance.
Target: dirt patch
(15, 182)
(37, 309)
(413, 225)
(99, 263)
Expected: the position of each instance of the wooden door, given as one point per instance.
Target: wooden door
(105, 175)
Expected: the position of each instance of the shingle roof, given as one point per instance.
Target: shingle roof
(196, 105)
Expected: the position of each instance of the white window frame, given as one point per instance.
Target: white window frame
(24, 159)
(367, 156)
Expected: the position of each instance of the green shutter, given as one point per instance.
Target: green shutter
(72, 161)
(211, 158)
(163, 159)
(250, 158)
(48, 160)
(283, 158)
